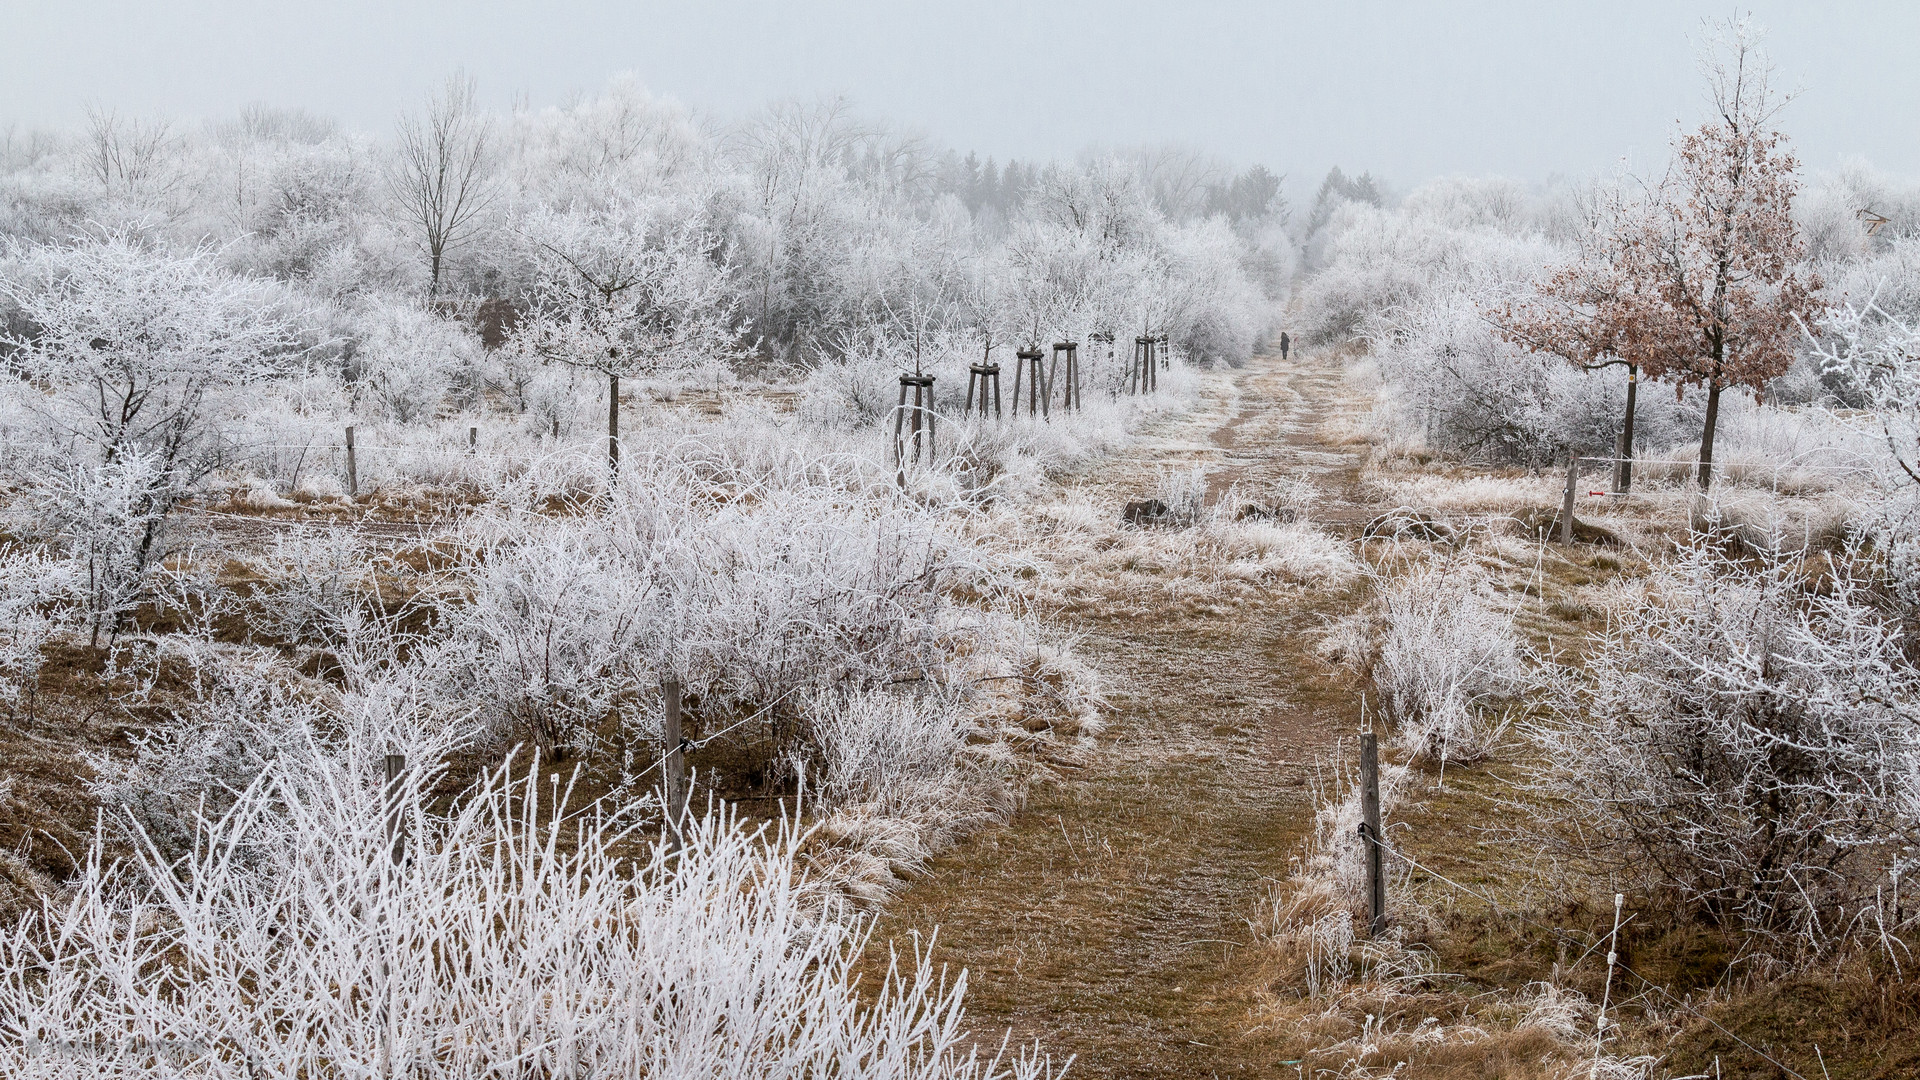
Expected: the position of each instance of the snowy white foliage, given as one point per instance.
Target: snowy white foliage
(131, 366)
(1448, 658)
(1749, 740)
(289, 942)
(1442, 654)
(747, 597)
(32, 591)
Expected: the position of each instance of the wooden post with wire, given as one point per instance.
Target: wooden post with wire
(396, 767)
(673, 767)
(353, 468)
(1566, 503)
(1370, 834)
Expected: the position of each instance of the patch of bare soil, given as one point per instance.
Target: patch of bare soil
(1106, 919)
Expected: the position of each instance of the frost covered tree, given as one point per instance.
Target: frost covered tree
(628, 291)
(131, 356)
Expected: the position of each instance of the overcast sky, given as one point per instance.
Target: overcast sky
(1407, 90)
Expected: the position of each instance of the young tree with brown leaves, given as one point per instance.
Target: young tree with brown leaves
(1701, 283)
(1581, 311)
(1722, 285)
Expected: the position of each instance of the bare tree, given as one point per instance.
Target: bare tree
(126, 156)
(443, 177)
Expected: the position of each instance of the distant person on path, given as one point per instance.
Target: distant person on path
(1285, 344)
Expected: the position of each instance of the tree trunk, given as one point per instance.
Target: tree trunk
(1706, 435)
(1623, 469)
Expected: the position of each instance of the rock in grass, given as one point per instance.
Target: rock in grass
(1145, 512)
(1533, 520)
(1411, 523)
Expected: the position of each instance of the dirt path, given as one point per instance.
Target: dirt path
(1105, 919)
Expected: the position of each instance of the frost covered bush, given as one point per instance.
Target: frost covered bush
(1748, 742)
(405, 364)
(755, 592)
(883, 748)
(1443, 656)
(746, 598)
(1455, 385)
(110, 520)
(290, 942)
(230, 712)
(1184, 494)
(1448, 657)
(33, 593)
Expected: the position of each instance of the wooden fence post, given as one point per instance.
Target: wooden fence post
(1370, 833)
(473, 439)
(396, 838)
(353, 468)
(673, 762)
(1566, 504)
(613, 423)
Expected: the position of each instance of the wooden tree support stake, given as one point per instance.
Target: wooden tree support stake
(1070, 394)
(915, 419)
(983, 376)
(1033, 363)
(1144, 377)
(353, 468)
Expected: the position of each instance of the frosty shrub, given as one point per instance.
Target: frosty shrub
(406, 363)
(1746, 742)
(315, 585)
(32, 591)
(901, 775)
(110, 520)
(233, 711)
(884, 748)
(746, 598)
(1184, 493)
(560, 616)
(289, 943)
(1458, 387)
(1442, 655)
